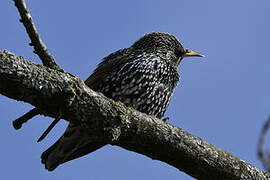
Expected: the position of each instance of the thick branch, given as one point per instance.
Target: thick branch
(48, 90)
(39, 47)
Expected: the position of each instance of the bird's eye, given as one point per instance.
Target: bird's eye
(179, 52)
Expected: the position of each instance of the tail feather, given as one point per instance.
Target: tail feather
(73, 144)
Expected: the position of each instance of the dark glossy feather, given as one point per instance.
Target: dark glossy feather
(142, 76)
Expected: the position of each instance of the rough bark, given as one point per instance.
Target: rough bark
(50, 90)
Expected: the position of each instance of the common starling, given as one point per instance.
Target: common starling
(142, 76)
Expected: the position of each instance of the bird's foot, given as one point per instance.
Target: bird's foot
(165, 119)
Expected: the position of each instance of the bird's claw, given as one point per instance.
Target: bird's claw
(165, 119)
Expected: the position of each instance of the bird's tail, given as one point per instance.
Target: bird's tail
(73, 144)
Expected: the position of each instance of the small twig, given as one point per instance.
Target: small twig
(39, 47)
(265, 157)
(17, 124)
(46, 132)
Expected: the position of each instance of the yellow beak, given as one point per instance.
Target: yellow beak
(190, 53)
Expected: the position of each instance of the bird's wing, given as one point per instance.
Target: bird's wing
(105, 68)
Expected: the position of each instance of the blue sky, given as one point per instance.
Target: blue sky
(222, 98)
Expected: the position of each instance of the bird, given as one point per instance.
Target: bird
(142, 77)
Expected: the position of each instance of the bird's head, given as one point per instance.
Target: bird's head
(165, 45)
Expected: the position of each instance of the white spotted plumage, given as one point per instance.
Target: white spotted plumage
(143, 84)
(142, 76)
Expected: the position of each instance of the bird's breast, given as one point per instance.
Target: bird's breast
(145, 84)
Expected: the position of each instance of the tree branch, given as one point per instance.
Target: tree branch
(49, 90)
(39, 47)
(17, 124)
(264, 155)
